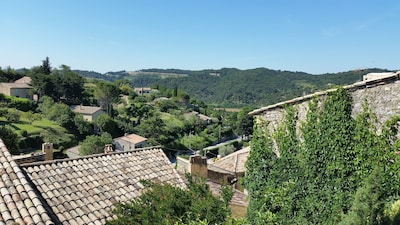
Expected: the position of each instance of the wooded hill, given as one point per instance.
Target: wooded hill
(230, 87)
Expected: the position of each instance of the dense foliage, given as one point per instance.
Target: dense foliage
(328, 172)
(167, 204)
(231, 87)
(10, 139)
(94, 144)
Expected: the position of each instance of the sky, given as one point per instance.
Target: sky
(312, 36)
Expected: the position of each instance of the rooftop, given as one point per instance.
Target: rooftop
(85, 109)
(16, 85)
(133, 138)
(232, 163)
(24, 80)
(77, 191)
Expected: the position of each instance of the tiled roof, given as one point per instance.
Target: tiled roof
(16, 85)
(132, 138)
(233, 163)
(77, 191)
(19, 203)
(85, 109)
(84, 190)
(24, 80)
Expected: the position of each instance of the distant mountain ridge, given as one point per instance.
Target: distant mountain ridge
(230, 87)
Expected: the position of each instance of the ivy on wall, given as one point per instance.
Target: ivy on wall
(321, 174)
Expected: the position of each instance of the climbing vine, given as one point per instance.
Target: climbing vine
(318, 173)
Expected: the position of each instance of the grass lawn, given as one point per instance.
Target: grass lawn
(171, 120)
(37, 127)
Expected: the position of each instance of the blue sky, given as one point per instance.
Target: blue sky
(313, 36)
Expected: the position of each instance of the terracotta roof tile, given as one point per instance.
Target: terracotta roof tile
(98, 181)
(77, 191)
(232, 163)
(16, 205)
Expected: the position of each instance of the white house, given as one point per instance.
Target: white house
(129, 142)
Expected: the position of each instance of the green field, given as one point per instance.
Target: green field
(37, 127)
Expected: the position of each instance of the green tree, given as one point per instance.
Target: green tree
(61, 114)
(13, 115)
(83, 127)
(369, 202)
(94, 144)
(69, 85)
(153, 128)
(167, 204)
(245, 125)
(46, 67)
(106, 93)
(10, 139)
(45, 104)
(105, 123)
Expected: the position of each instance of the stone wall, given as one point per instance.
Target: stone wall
(382, 95)
(182, 165)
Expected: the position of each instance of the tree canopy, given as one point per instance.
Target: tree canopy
(337, 169)
(167, 204)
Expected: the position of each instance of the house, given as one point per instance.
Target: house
(77, 191)
(20, 88)
(227, 170)
(230, 168)
(89, 113)
(129, 142)
(142, 90)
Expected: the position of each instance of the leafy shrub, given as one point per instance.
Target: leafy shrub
(13, 115)
(22, 104)
(94, 144)
(326, 174)
(167, 204)
(10, 139)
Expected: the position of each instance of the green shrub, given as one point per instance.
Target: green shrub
(167, 204)
(13, 115)
(22, 104)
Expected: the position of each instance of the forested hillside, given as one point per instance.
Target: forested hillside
(231, 87)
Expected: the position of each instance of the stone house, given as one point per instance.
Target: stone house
(20, 88)
(129, 142)
(229, 169)
(89, 113)
(77, 191)
(142, 90)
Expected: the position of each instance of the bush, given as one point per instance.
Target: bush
(22, 104)
(24, 133)
(167, 204)
(10, 139)
(94, 144)
(13, 115)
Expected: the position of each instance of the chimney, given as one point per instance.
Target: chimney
(108, 148)
(47, 149)
(198, 166)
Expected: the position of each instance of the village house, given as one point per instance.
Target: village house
(227, 170)
(129, 142)
(77, 191)
(142, 90)
(20, 88)
(89, 113)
